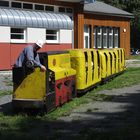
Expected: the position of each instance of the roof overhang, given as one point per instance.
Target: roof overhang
(81, 1)
(110, 14)
(70, 0)
(23, 18)
(101, 8)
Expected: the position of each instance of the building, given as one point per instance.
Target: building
(63, 24)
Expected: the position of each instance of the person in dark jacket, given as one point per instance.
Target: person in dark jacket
(29, 56)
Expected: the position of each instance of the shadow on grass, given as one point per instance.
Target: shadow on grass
(120, 124)
(7, 109)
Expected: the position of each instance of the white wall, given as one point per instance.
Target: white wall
(34, 34)
(66, 36)
(4, 34)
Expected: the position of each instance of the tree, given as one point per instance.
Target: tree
(132, 6)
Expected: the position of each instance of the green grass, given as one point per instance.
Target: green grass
(21, 126)
(130, 77)
(135, 57)
(8, 83)
(2, 92)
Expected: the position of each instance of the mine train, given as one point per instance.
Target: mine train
(69, 73)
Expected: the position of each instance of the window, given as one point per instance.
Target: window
(52, 36)
(86, 36)
(39, 7)
(110, 37)
(99, 37)
(49, 8)
(116, 38)
(69, 10)
(17, 35)
(4, 3)
(104, 37)
(27, 6)
(16, 5)
(94, 35)
(62, 9)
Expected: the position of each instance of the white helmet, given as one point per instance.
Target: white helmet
(40, 43)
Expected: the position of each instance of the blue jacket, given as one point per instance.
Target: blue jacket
(28, 54)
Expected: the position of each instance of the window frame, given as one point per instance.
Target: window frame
(60, 9)
(110, 36)
(52, 8)
(105, 37)
(5, 3)
(99, 34)
(95, 37)
(18, 40)
(69, 10)
(86, 36)
(57, 36)
(116, 34)
(13, 3)
(27, 4)
(36, 6)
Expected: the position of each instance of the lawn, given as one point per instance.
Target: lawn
(23, 126)
(7, 92)
(135, 57)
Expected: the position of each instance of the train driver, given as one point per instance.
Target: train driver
(29, 56)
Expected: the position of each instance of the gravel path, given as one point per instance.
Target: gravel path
(6, 81)
(133, 63)
(123, 100)
(5, 85)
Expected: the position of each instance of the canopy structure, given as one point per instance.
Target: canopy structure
(34, 19)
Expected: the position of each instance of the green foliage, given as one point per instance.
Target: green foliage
(132, 6)
(5, 92)
(135, 57)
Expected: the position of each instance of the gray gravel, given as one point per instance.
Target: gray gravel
(98, 110)
(6, 81)
(133, 63)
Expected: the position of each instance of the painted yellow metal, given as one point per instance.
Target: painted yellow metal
(106, 68)
(112, 62)
(121, 59)
(86, 64)
(116, 60)
(123, 63)
(103, 58)
(60, 64)
(33, 86)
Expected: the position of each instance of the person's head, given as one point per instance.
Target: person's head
(38, 45)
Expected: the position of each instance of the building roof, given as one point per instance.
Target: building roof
(25, 18)
(77, 1)
(105, 9)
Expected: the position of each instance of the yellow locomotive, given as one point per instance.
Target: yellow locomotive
(68, 74)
